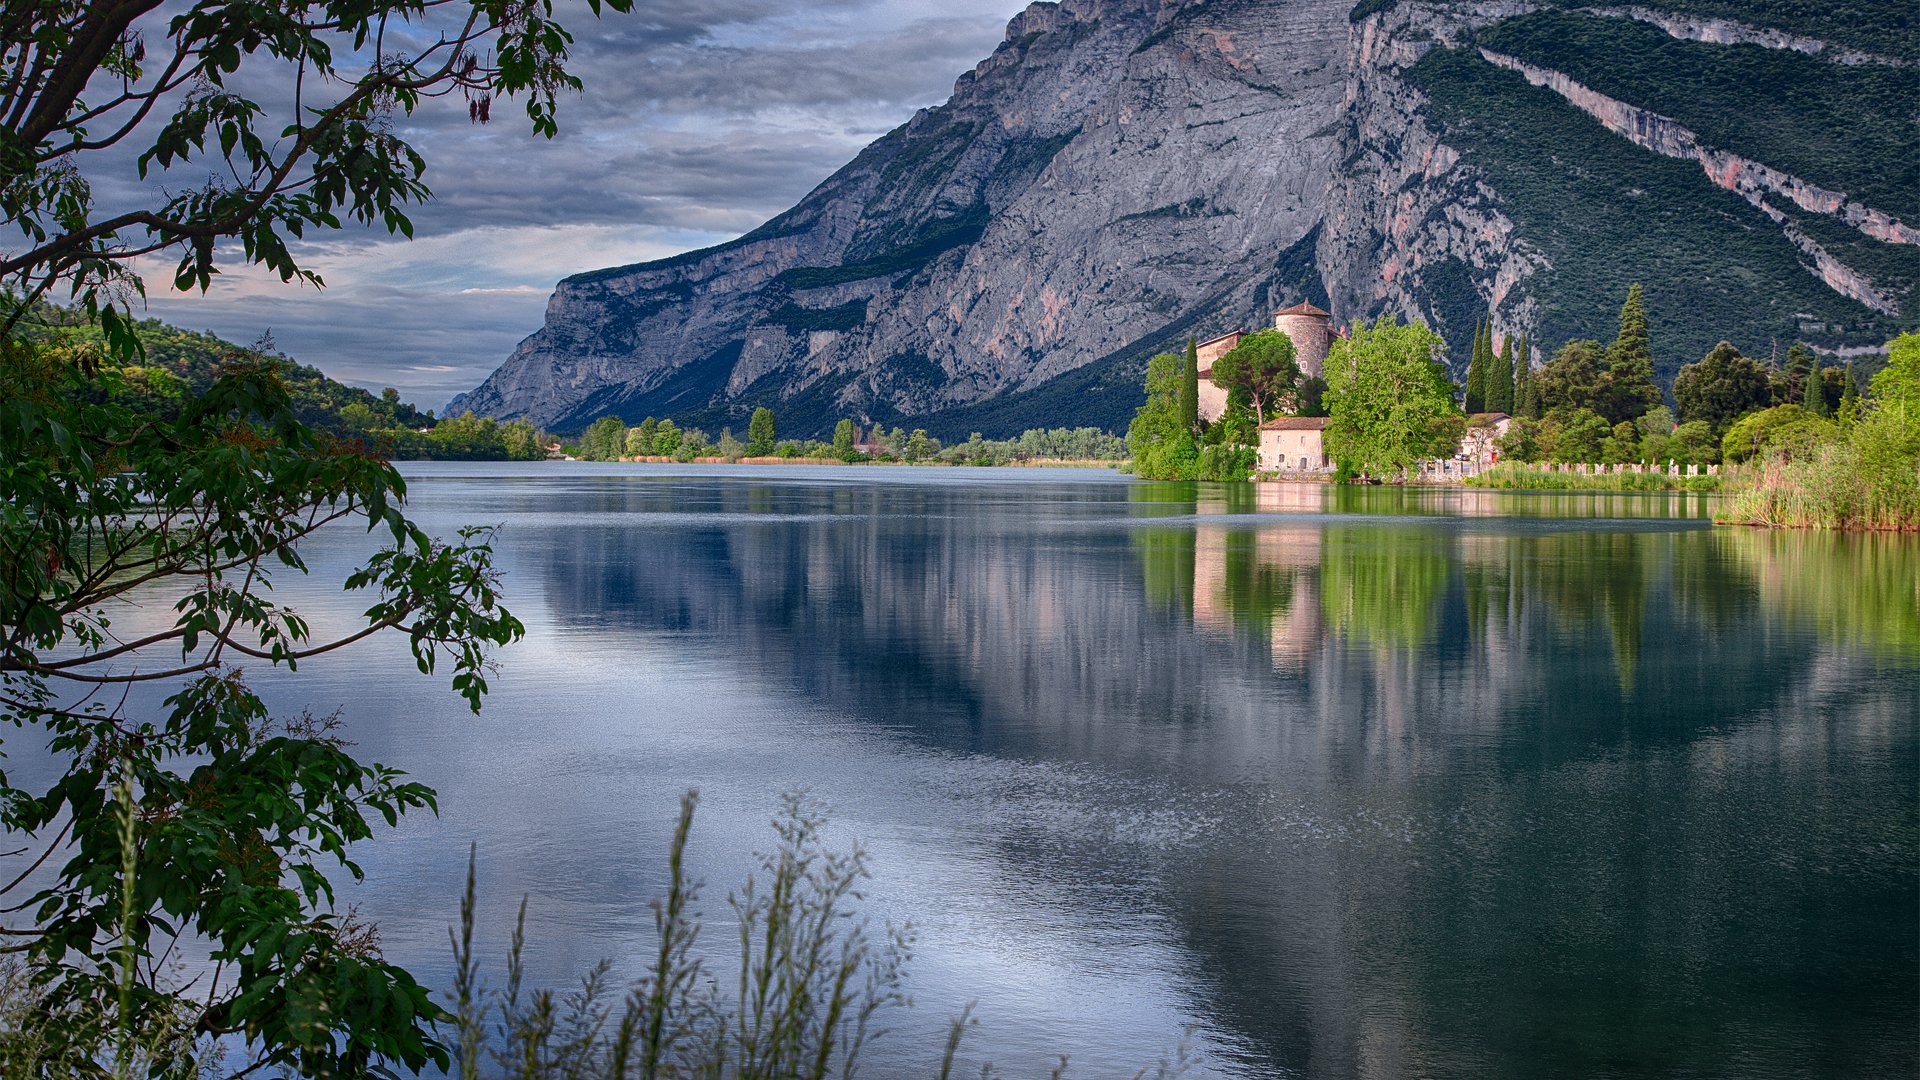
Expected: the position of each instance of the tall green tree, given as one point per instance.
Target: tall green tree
(1262, 366)
(1526, 396)
(1499, 387)
(1815, 395)
(1190, 388)
(1476, 399)
(1849, 409)
(1630, 390)
(1389, 401)
(1720, 388)
(1159, 439)
(604, 440)
(760, 435)
(1573, 379)
(1792, 385)
(845, 434)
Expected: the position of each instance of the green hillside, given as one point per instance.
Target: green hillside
(1886, 27)
(180, 363)
(1607, 213)
(1849, 127)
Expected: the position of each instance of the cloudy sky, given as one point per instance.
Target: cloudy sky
(700, 119)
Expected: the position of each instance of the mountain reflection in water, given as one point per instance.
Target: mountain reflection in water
(1359, 782)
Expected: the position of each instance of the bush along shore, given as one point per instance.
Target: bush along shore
(1859, 471)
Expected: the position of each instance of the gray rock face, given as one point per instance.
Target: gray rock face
(1117, 175)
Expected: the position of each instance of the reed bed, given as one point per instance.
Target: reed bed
(1511, 476)
(1836, 487)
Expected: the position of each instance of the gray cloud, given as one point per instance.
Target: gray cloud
(699, 121)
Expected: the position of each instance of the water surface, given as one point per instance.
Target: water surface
(1322, 782)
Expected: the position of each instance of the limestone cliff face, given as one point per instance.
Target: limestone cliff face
(1117, 175)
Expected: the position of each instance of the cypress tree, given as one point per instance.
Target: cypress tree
(1500, 380)
(1630, 388)
(1190, 388)
(1815, 397)
(1477, 372)
(1849, 396)
(1526, 399)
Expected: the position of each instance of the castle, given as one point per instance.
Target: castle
(1310, 329)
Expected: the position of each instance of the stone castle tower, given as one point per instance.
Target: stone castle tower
(1309, 327)
(1311, 331)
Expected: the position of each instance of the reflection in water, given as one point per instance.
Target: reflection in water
(1416, 785)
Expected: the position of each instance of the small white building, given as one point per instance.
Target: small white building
(1293, 444)
(1484, 430)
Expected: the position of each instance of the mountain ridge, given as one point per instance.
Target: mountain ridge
(1120, 173)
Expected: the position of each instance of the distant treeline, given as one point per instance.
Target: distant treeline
(610, 439)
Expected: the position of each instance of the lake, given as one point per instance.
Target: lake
(1310, 781)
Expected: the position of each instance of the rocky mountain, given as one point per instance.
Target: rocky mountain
(1120, 174)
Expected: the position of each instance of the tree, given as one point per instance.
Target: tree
(1476, 399)
(648, 429)
(1815, 395)
(1622, 444)
(1629, 390)
(1190, 388)
(1897, 386)
(1261, 366)
(1313, 394)
(920, 446)
(86, 98)
(1161, 443)
(760, 436)
(1800, 362)
(1719, 388)
(1572, 379)
(1578, 435)
(1499, 387)
(845, 434)
(1388, 398)
(604, 439)
(666, 438)
(207, 822)
(1849, 409)
(1526, 395)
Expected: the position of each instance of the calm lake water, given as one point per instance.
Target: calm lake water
(1318, 782)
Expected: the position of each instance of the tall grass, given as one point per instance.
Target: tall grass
(1845, 485)
(812, 986)
(1513, 476)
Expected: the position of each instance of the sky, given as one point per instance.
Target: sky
(699, 120)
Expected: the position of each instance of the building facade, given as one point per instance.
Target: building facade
(1294, 445)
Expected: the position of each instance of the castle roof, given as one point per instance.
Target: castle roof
(1222, 337)
(1303, 308)
(1295, 423)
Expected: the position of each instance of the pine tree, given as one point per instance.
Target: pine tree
(1190, 388)
(1815, 398)
(1630, 389)
(1500, 380)
(1477, 372)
